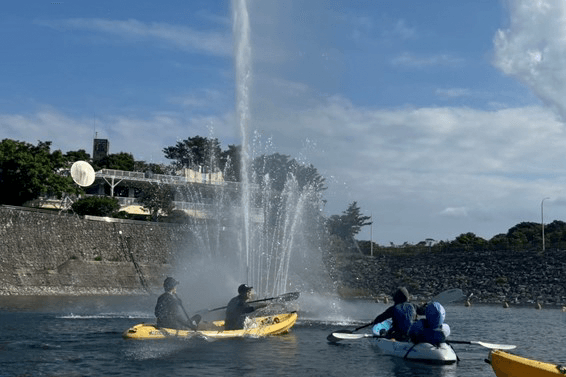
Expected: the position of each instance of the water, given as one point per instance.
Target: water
(259, 232)
(82, 337)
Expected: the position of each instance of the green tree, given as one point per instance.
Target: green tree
(142, 166)
(230, 163)
(74, 156)
(194, 152)
(156, 198)
(118, 161)
(96, 206)
(28, 171)
(469, 241)
(350, 223)
(279, 167)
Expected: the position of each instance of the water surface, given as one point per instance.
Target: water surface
(82, 337)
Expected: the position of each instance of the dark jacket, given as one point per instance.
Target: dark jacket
(402, 312)
(170, 314)
(236, 313)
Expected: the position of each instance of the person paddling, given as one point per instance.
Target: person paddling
(402, 312)
(169, 310)
(432, 328)
(238, 307)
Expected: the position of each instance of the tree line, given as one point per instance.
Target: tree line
(525, 236)
(28, 172)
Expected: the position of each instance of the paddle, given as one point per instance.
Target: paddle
(195, 318)
(444, 297)
(484, 344)
(284, 297)
(345, 336)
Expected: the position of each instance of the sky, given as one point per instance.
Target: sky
(438, 118)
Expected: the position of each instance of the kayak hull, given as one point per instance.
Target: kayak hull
(254, 327)
(423, 352)
(508, 365)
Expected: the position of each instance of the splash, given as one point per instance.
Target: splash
(259, 232)
(243, 60)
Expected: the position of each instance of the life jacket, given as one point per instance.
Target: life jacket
(404, 315)
(435, 315)
(432, 329)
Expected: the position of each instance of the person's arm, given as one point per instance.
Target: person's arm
(421, 309)
(383, 316)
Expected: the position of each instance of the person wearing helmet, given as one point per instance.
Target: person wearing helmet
(432, 328)
(403, 313)
(238, 307)
(169, 310)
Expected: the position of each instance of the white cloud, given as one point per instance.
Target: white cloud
(206, 98)
(452, 92)
(402, 30)
(466, 169)
(533, 49)
(210, 42)
(412, 60)
(455, 212)
(144, 138)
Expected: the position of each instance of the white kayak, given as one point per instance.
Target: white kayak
(425, 352)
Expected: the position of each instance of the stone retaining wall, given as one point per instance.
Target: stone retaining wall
(42, 252)
(490, 276)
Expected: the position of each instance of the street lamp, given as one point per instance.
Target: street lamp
(542, 220)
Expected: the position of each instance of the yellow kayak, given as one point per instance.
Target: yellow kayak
(254, 327)
(508, 365)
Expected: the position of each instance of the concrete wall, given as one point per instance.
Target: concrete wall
(42, 252)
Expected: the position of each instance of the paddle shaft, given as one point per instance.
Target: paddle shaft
(345, 336)
(362, 327)
(285, 297)
(182, 307)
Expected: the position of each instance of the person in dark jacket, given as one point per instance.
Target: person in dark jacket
(169, 310)
(237, 308)
(432, 328)
(402, 312)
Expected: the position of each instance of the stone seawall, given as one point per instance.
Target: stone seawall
(520, 278)
(43, 253)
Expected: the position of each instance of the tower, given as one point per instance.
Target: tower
(100, 149)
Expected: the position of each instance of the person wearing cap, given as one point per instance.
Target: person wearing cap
(169, 310)
(403, 314)
(238, 307)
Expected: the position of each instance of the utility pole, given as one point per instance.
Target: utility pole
(542, 221)
(371, 234)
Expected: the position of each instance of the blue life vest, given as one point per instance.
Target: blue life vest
(404, 315)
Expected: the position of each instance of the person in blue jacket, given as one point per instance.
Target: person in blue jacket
(403, 313)
(432, 328)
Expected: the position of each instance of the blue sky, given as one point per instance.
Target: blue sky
(438, 118)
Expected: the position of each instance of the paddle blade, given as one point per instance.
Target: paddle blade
(291, 296)
(492, 346)
(349, 336)
(495, 346)
(449, 296)
(332, 338)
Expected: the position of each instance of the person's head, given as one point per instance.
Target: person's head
(245, 291)
(435, 314)
(401, 295)
(169, 284)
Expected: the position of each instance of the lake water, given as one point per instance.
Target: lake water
(81, 336)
